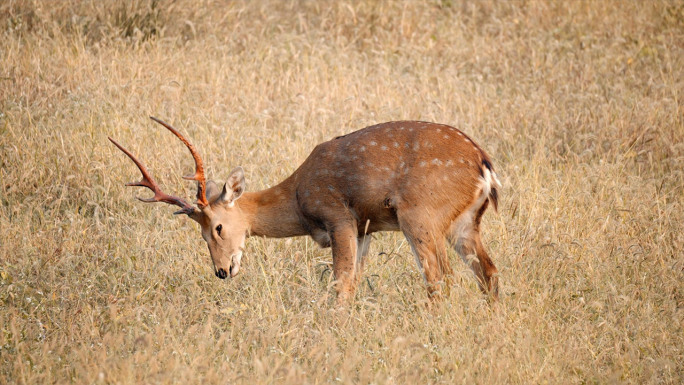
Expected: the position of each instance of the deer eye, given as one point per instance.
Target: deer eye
(218, 229)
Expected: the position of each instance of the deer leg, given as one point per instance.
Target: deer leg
(490, 273)
(429, 249)
(469, 247)
(344, 250)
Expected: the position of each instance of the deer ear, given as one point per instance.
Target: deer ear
(213, 191)
(234, 187)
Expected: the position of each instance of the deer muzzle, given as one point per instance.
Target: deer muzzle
(235, 264)
(221, 273)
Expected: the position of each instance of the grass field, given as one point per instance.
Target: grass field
(579, 104)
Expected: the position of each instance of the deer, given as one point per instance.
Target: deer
(427, 180)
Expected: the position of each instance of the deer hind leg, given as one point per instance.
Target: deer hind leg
(430, 252)
(465, 240)
(344, 249)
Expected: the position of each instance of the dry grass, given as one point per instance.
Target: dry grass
(578, 102)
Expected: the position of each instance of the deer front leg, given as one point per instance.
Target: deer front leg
(344, 249)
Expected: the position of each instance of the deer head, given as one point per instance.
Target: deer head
(224, 227)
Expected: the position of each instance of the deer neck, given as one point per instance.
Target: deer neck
(273, 212)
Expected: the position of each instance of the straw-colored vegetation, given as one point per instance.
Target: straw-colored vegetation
(579, 103)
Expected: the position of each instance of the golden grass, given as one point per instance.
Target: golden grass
(578, 102)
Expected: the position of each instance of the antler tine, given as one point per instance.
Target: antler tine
(149, 182)
(199, 166)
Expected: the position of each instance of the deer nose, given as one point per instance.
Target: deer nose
(221, 274)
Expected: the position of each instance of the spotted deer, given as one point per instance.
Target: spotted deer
(431, 181)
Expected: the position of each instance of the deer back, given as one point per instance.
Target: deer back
(373, 172)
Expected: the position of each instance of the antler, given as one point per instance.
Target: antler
(148, 181)
(199, 167)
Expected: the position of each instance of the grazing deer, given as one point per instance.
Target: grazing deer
(428, 180)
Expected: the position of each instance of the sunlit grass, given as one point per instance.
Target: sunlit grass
(578, 103)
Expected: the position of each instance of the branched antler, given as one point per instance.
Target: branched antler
(159, 195)
(199, 166)
(149, 182)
